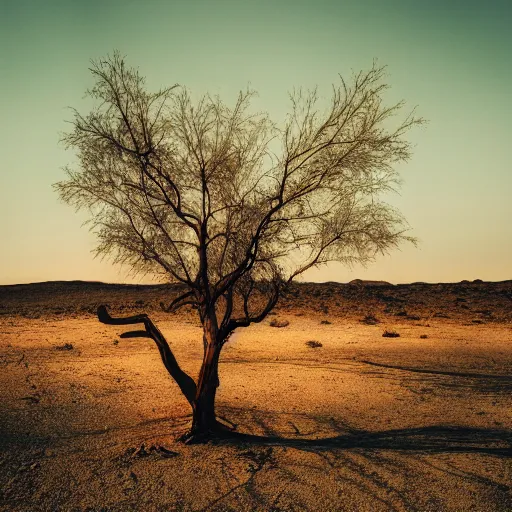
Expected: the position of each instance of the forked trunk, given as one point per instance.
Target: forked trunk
(201, 396)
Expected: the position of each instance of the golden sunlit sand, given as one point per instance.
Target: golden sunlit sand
(362, 422)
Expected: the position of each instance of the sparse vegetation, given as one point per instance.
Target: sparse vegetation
(370, 319)
(423, 336)
(66, 346)
(390, 334)
(313, 344)
(325, 322)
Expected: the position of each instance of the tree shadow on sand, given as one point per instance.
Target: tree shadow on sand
(373, 466)
(431, 439)
(426, 439)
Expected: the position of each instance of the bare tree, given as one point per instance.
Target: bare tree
(193, 191)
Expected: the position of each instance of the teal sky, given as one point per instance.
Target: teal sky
(450, 58)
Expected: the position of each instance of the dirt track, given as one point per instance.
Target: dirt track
(361, 423)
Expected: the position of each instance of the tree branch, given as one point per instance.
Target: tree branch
(186, 383)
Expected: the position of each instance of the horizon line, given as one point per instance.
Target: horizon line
(352, 282)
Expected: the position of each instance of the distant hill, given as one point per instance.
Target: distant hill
(476, 302)
(360, 282)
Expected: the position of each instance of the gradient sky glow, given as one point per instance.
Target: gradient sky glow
(451, 58)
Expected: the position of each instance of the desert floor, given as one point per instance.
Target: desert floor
(362, 423)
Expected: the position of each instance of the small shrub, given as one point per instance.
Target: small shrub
(116, 342)
(390, 334)
(325, 322)
(32, 315)
(324, 309)
(66, 346)
(423, 336)
(279, 323)
(401, 313)
(413, 317)
(313, 344)
(370, 320)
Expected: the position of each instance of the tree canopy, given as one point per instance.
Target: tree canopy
(194, 191)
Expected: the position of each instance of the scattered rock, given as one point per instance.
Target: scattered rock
(313, 344)
(153, 450)
(164, 452)
(279, 323)
(34, 399)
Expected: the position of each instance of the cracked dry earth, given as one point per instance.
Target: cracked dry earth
(361, 423)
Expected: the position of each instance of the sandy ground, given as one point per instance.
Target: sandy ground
(362, 423)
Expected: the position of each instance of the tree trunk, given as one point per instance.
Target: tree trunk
(204, 421)
(200, 397)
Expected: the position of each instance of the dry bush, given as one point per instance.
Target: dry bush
(66, 346)
(370, 319)
(390, 334)
(313, 344)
